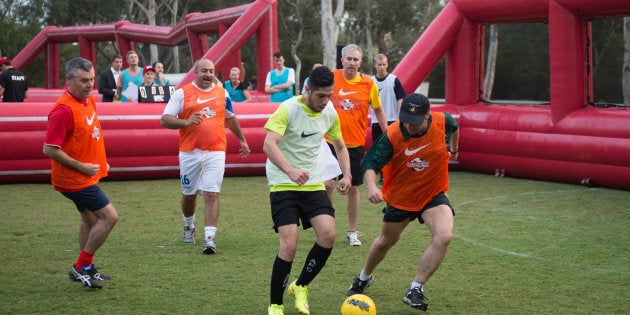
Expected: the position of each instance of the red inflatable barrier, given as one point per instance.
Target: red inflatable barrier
(137, 146)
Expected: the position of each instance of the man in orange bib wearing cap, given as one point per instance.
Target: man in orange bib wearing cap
(414, 160)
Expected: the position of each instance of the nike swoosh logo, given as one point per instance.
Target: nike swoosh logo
(90, 120)
(414, 151)
(201, 101)
(344, 93)
(304, 135)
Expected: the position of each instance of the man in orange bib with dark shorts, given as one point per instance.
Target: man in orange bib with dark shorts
(354, 94)
(74, 142)
(414, 160)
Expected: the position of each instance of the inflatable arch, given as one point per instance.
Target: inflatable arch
(567, 141)
(234, 25)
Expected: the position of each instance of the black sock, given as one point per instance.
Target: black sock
(279, 277)
(314, 263)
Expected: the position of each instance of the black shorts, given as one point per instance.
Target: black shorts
(356, 157)
(91, 198)
(291, 207)
(392, 214)
(376, 130)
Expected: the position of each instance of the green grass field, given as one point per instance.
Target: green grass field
(520, 247)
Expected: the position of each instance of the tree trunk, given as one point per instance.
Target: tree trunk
(330, 31)
(175, 49)
(368, 38)
(294, 48)
(152, 21)
(149, 12)
(491, 63)
(625, 81)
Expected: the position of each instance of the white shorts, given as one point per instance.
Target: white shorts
(201, 171)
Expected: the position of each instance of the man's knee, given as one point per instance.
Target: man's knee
(210, 196)
(109, 215)
(384, 243)
(327, 238)
(443, 237)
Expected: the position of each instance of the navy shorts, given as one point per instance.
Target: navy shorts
(291, 207)
(397, 215)
(91, 198)
(356, 157)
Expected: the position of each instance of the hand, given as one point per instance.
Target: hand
(299, 177)
(194, 120)
(90, 169)
(344, 185)
(453, 156)
(244, 150)
(374, 194)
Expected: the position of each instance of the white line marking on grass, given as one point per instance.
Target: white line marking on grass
(496, 249)
(528, 255)
(531, 256)
(523, 194)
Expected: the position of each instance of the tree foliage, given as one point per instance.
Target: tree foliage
(522, 65)
(608, 60)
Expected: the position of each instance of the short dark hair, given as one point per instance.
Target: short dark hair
(76, 64)
(320, 77)
(277, 54)
(116, 57)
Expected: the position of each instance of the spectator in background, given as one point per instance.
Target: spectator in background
(13, 83)
(148, 74)
(133, 74)
(236, 88)
(316, 65)
(280, 81)
(108, 80)
(159, 80)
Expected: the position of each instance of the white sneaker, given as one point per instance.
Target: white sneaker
(353, 238)
(209, 246)
(189, 235)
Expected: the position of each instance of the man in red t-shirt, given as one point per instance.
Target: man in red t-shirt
(74, 142)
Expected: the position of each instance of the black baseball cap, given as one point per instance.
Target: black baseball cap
(414, 107)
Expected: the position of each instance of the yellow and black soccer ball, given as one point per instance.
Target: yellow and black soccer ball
(358, 304)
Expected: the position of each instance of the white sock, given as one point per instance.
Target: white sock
(210, 231)
(189, 221)
(415, 284)
(363, 276)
